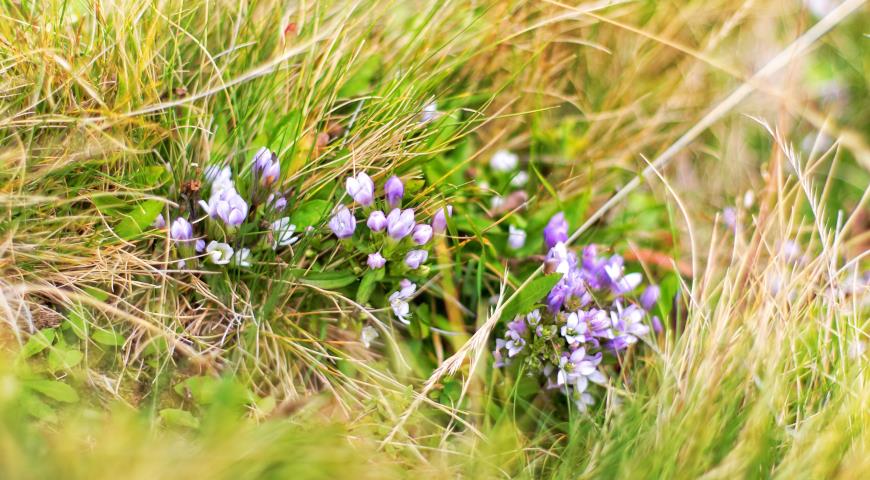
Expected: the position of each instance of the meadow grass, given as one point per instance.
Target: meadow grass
(645, 122)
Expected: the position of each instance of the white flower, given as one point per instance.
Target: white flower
(504, 161)
(520, 179)
(368, 335)
(430, 112)
(219, 253)
(516, 237)
(220, 177)
(282, 233)
(240, 258)
(398, 299)
(496, 202)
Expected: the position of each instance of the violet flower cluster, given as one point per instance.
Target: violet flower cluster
(591, 314)
(213, 237)
(394, 241)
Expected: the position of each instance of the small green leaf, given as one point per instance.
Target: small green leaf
(328, 280)
(108, 338)
(75, 321)
(367, 285)
(38, 342)
(179, 418)
(63, 358)
(201, 389)
(53, 389)
(137, 221)
(530, 296)
(38, 409)
(310, 213)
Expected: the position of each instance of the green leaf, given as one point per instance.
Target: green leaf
(367, 285)
(38, 342)
(328, 280)
(310, 213)
(179, 418)
(53, 389)
(108, 338)
(202, 389)
(138, 220)
(63, 358)
(361, 80)
(38, 409)
(76, 322)
(530, 296)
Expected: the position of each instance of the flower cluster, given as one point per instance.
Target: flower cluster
(508, 184)
(590, 314)
(395, 238)
(392, 241)
(215, 236)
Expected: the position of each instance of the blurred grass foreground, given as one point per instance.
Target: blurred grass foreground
(459, 239)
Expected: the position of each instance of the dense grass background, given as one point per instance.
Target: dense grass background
(116, 363)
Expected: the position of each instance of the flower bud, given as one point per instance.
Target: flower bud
(181, 230)
(415, 258)
(439, 221)
(361, 189)
(556, 230)
(377, 221)
(394, 190)
(376, 261)
(400, 223)
(422, 234)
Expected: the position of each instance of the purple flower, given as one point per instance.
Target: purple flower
(499, 361)
(439, 221)
(400, 223)
(514, 342)
(394, 190)
(199, 246)
(518, 325)
(619, 283)
(159, 222)
(377, 221)
(376, 261)
(181, 230)
(560, 260)
(220, 177)
(276, 202)
(227, 205)
(556, 230)
(421, 234)
(534, 318)
(267, 168)
(516, 237)
(361, 188)
(649, 297)
(415, 258)
(629, 323)
(342, 223)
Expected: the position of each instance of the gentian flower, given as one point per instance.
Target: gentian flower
(516, 237)
(398, 299)
(394, 191)
(400, 223)
(240, 258)
(282, 233)
(361, 188)
(629, 323)
(514, 343)
(227, 205)
(574, 330)
(415, 258)
(504, 161)
(219, 253)
(276, 202)
(181, 230)
(534, 317)
(439, 221)
(582, 400)
(220, 177)
(421, 234)
(560, 260)
(649, 297)
(159, 222)
(619, 283)
(267, 168)
(377, 221)
(199, 246)
(342, 223)
(556, 230)
(376, 261)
